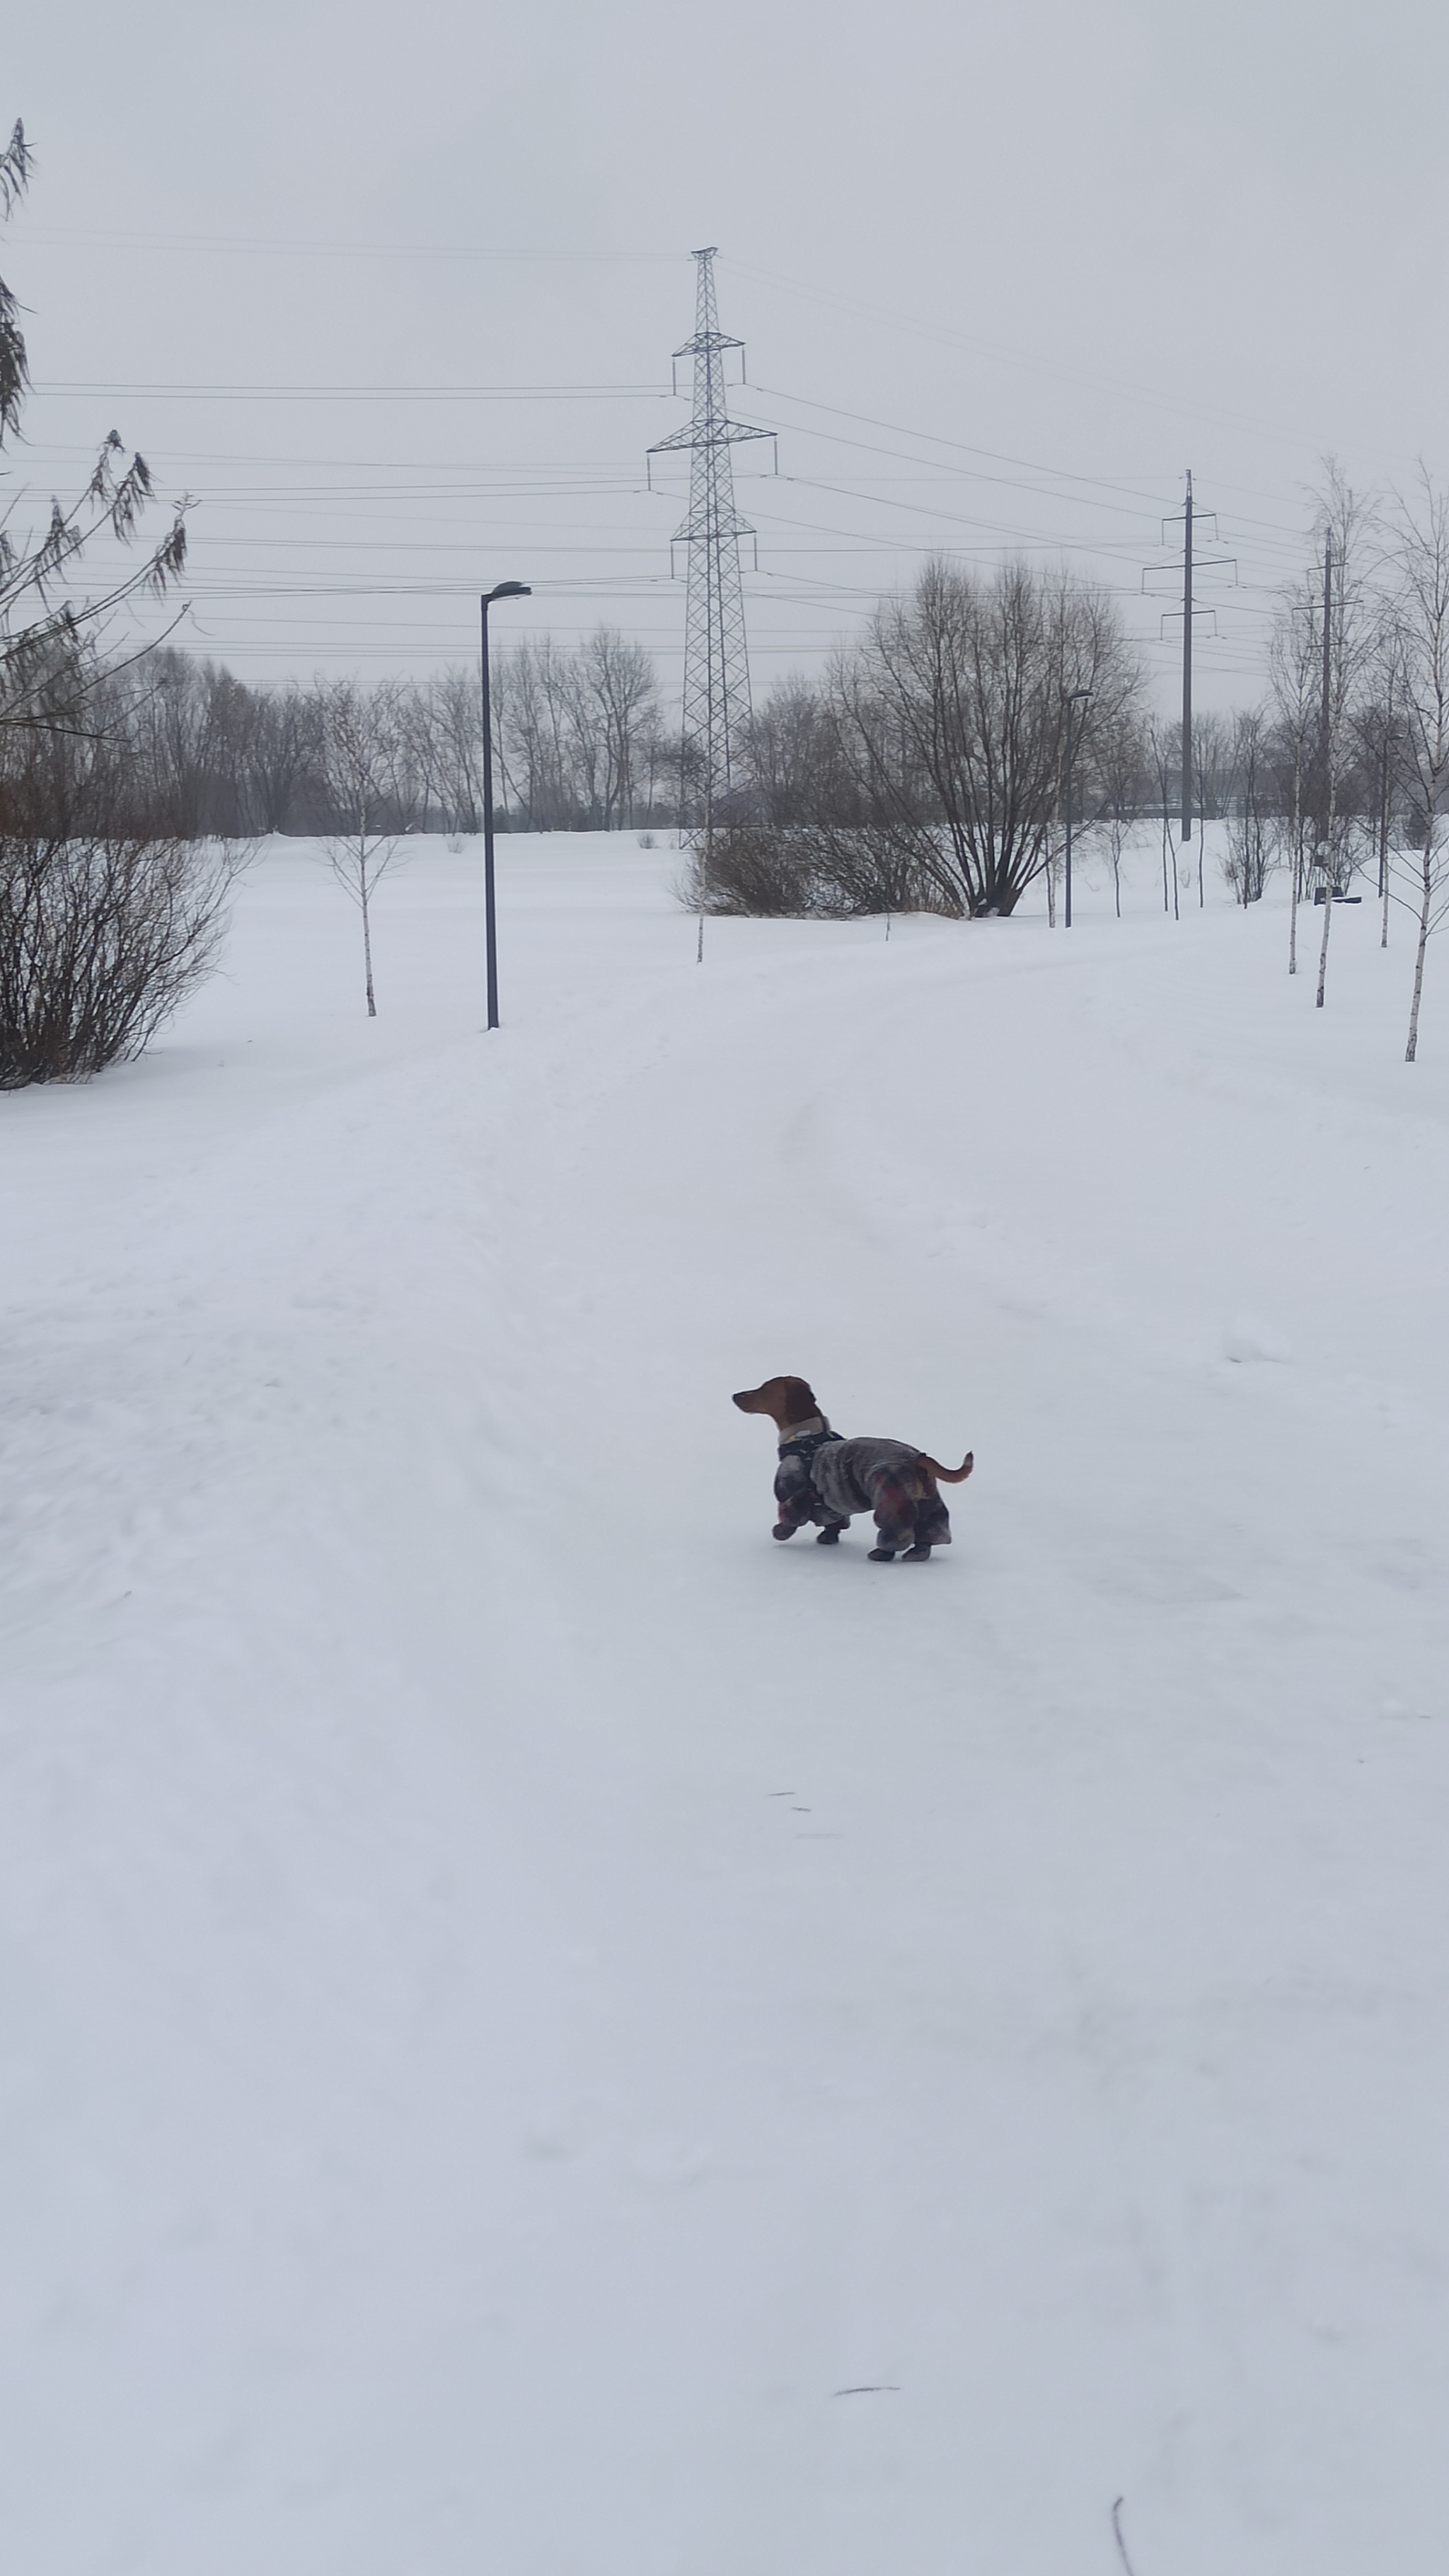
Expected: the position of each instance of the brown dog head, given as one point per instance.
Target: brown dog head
(785, 1399)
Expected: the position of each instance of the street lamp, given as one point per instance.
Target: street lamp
(1074, 697)
(502, 590)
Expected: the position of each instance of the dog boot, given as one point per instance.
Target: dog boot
(916, 1556)
(882, 1556)
(783, 1529)
(829, 1537)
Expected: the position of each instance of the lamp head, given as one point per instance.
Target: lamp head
(508, 590)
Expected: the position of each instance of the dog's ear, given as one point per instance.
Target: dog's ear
(799, 1400)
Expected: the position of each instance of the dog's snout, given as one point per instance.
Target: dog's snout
(743, 1399)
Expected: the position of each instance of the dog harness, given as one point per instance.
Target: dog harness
(806, 1443)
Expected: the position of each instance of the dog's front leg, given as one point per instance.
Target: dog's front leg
(795, 1497)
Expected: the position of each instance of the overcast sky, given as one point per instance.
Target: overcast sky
(1003, 272)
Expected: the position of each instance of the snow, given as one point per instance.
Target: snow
(548, 2033)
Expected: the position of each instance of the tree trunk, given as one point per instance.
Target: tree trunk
(1384, 827)
(367, 942)
(1327, 897)
(1323, 949)
(1297, 872)
(1411, 1049)
(1384, 941)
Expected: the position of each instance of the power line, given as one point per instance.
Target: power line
(74, 387)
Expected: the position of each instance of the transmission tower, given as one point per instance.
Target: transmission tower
(716, 661)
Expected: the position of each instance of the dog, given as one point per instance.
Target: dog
(824, 1477)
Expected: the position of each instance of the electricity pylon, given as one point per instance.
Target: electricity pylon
(716, 661)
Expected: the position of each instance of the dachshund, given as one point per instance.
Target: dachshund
(824, 1477)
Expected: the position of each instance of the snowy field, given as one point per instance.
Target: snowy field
(547, 2034)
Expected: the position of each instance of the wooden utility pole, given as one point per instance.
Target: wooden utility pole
(1187, 662)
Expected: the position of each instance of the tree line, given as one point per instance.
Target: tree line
(928, 764)
(580, 744)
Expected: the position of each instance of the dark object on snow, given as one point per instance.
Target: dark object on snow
(825, 1478)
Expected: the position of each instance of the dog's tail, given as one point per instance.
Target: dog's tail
(948, 1475)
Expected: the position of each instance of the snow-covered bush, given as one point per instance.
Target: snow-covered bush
(101, 938)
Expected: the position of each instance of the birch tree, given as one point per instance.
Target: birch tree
(1421, 553)
(1293, 681)
(363, 736)
(1349, 620)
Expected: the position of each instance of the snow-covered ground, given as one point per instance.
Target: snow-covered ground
(546, 2033)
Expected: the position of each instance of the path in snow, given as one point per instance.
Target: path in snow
(520, 1991)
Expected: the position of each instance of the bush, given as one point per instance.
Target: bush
(101, 938)
(810, 871)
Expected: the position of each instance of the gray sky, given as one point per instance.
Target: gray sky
(1002, 272)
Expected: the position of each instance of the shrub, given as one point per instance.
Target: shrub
(810, 871)
(101, 938)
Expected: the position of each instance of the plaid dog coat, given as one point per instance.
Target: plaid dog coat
(825, 1478)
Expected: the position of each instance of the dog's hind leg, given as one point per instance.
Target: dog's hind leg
(933, 1526)
(895, 1518)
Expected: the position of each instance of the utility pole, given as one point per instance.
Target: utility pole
(1187, 662)
(1190, 565)
(716, 659)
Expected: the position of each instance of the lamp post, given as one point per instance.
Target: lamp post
(1074, 697)
(502, 590)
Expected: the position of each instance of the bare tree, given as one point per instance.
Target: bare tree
(1253, 830)
(1348, 631)
(457, 729)
(1164, 756)
(797, 772)
(1421, 555)
(1378, 725)
(362, 734)
(280, 755)
(1212, 770)
(1294, 664)
(953, 718)
(1120, 783)
(623, 697)
(535, 704)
